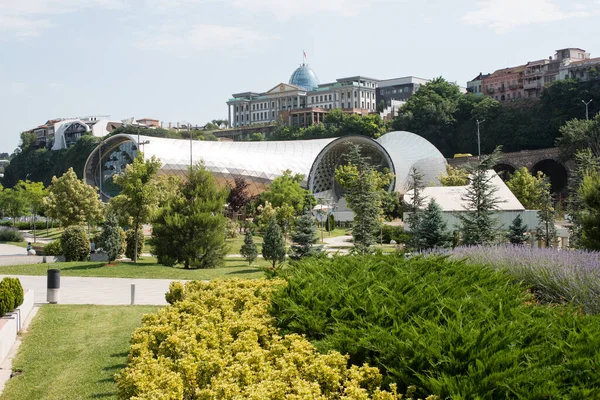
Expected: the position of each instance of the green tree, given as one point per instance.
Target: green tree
(517, 232)
(34, 194)
(14, 203)
(577, 135)
(455, 176)
(589, 192)
(433, 228)
(71, 201)
(363, 185)
(139, 195)
(527, 188)
(190, 228)
(75, 244)
(248, 249)
(110, 238)
(381, 106)
(273, 248)
(546, 230)
(415, 207)
(286, 190)
(304, 238)
(478, 225)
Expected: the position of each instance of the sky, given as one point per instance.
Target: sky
(180, 60)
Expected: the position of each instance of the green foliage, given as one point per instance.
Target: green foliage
(132, 238)
(416, 202)
(273, 248)
(304, 238)
(478, 225)
(285, 190)
(71, 201)
(248, 249)
(546, 230)
(75, 244)
(139, 196)
(449, 328)
(590, 218)
(517, 232)
(330, 223)
(391, 205)
(110, 238)
(433, 228)
(10, 234)
(13, 286)
(527, 188)
(175, 293)
(455, 176)
(395, 233)
(14, 203)
(232, 229)
(190, 227)
(53, 248)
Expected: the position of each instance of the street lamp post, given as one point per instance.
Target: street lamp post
(479, 139)
(586, 108)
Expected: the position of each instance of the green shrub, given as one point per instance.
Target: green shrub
(8, 234)
(330, 223)
(457, 330)
(7, 300)
(232, 229)
(130, 239)
(75, 244)
(53, 248)
(389, 233)
(13, 285)
(25, 225)
(175, 293)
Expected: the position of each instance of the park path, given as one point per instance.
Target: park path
(15, 255)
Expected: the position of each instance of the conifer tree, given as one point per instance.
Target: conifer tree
(304, 238)
(478, 225)
(546, 230)
(415, 206)
(590, 218)
(273, 248)
(517, 232)
(110, 238)
(433, 228)
(248, 250)
(190, 228)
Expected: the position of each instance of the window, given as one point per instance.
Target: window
(272, 104)
(273, 114)
(321, 99)
(406, 89)
(330, 97)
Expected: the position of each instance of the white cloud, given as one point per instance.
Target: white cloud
(504, 15)
(184, 41)
(30, 17)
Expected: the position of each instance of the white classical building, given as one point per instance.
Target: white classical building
(261, 162)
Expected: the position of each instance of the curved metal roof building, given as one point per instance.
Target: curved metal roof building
(261, 162)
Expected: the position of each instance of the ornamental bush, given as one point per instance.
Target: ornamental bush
(53, 248)
(11, 295)
(10, 234)
(219, 342)
(75, 244)
(458, 330)
(130, 239)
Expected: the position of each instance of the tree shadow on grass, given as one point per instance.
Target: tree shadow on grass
(244, 271)
(104, 395)
(114, 367)
(83, 267)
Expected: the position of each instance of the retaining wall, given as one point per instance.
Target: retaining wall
(12, 322)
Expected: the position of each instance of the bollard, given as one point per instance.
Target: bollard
(132, 293)
(53, 287)
(44, 259)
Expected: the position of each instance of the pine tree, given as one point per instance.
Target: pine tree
(433, 228)
(546, 230)
(248, 250)
(190, 227)
(304, 238)
(273, 248)
(478, 225)
(415, 206)
(590, 217)
(517, 232)
(110, 238)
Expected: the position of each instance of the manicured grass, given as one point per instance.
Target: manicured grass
(73, 352)
(52, 233)
(236, 244)
(145, 268)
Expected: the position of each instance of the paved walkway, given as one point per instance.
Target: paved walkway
(15, 255)
(104, 291)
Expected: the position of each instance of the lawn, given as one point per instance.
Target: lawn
(20, 244)
(145, 268)
(73, 352)
(236, 244)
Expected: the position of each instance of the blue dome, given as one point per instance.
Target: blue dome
(305, 78)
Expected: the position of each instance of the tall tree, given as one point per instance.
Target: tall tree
(527, 188)
(415, 206)
(433, 227)
(590, 218)
(577, 135)
(110, 238)
(71, 201)
(248, 249)
(546, 230)
(190, 228)
(585, 163)
(304, 237)
(273, 248)
(286, 190)
(239, 196)
(14, 203)
(139, 195)
(517, 231)
(34, 193)
(478, 225)
(363, 185)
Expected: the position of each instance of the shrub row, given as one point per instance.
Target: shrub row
(217, 341)
(11, 295)
(26, 225)
(53, 248)
(461, 331)
(9, 234)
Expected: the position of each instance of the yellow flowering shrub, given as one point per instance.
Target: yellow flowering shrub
(217, 341)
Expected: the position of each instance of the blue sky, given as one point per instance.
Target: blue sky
(180, 60)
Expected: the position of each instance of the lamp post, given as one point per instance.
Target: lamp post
(586, 108)
(479, 139)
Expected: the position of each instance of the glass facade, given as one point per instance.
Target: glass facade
(114, 161)
(305, 78)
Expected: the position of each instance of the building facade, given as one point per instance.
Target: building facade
(399, 89)
(475, 85)
(504, 84)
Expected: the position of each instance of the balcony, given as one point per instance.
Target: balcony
(490, 90)
(533, 85)
(512, 87)
(501, 89)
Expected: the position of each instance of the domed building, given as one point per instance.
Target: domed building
(304, 77)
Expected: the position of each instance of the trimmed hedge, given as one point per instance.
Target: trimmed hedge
(25, 226)
(11, 295)
(53, 248)
(457, 330)
(75, 244)
(9, 234)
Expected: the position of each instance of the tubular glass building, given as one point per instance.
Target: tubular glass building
(261, 162)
